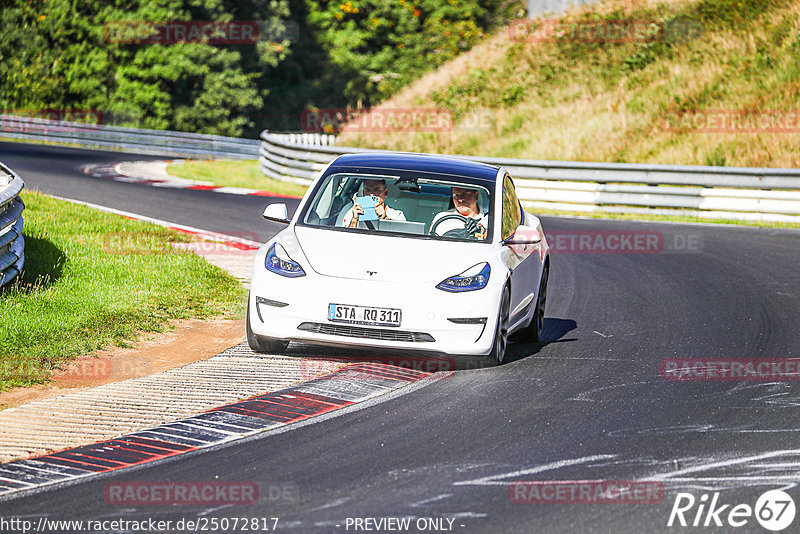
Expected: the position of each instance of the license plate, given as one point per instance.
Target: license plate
(345, 313)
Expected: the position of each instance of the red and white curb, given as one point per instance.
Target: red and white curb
(355, 383)
(154, 173)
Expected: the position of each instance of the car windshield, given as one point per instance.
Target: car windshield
(429, 207)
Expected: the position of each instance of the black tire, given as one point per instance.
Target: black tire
(500, 343)
(537, 323)
(533, 333)
(262, 344)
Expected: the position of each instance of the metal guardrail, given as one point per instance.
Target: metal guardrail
(12, 245)
(157, 142)
(739, 193)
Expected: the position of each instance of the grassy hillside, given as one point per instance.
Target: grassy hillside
(680, 97)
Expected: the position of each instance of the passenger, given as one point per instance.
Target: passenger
(378, 189)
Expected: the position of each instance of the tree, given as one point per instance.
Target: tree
(65, 54)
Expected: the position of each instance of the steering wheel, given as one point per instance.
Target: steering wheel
(468, 232)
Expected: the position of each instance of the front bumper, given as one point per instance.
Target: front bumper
(295, 309)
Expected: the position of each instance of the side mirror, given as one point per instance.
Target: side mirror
(525, 235)
(277, 213)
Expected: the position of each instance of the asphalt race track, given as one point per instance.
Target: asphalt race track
(588, 404)
(59, 171)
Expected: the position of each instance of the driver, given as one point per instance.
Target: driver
(465, 201)
(378, 189)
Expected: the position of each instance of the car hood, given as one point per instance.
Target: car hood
(362, 256)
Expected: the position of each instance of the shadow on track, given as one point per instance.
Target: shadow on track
(553, 331)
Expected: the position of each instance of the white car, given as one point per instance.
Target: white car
(437, 256)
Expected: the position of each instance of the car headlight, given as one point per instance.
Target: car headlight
(473, 278)
(279, 262)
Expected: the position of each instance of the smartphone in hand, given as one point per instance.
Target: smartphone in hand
(368, 204)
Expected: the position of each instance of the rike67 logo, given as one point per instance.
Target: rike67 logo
(774, 510)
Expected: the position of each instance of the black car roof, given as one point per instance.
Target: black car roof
(418, 162)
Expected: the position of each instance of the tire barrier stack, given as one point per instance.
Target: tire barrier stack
(12, 245)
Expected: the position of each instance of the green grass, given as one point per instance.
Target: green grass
(234, 173)
(93, 280)
(569, 99)
(574, 100)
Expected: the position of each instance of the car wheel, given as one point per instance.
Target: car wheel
(533, 332)
(541, 304)
(501, 331)
(261, 344)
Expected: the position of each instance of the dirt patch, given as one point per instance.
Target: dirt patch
(190, 341)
